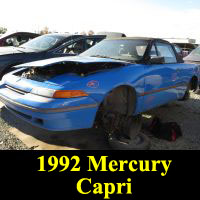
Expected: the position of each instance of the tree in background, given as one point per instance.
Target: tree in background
(83, 33)
(2, 30)
(90, 32)
(45, 30)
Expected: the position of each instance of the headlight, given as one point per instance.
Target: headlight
(43, 92)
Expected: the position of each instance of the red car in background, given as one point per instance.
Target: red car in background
(16, 39)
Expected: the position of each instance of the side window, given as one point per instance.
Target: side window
(178, 50)
(12, 41)
(141, 50)
(166, 51)
(17, 40)
(90, 42)
(24, 38)
(153, 52)
(73, 48)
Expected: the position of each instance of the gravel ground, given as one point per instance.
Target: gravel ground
(186, 114)
(8, 140)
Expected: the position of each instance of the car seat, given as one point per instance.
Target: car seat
(78, 47)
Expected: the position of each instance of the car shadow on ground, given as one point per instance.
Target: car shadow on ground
(81, 139)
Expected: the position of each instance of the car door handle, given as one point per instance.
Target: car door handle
(178, 70)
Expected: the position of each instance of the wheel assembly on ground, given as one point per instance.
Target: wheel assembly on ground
(115, 116)
(131, 136)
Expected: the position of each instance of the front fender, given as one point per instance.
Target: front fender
(100, 84)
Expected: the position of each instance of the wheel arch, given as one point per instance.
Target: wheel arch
(132, 97)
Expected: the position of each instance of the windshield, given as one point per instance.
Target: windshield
(42, 43)
(131, 50)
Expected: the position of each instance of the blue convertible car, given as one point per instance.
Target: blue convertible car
(114, 79)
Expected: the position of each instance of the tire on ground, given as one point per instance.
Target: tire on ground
(136, 141)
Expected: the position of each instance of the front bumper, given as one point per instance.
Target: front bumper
(76, 113)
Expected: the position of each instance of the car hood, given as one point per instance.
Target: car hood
(192, 57)
(80, 59)
(14, 50)
(76, 69)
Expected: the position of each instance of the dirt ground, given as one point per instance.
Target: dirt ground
(16, 134)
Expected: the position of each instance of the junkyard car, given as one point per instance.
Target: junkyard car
(111, 81)
(16, 39)
(183, 46)
(112, 34)
(43, 47)
(187, 48)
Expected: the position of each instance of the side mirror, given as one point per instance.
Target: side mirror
(157, 60)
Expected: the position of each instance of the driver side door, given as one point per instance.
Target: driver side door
(160, 79)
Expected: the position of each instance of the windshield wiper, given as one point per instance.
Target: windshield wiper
(28, 48)
(20, 50)
(102, 56)
(130, 61)
(21, 47)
